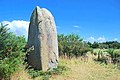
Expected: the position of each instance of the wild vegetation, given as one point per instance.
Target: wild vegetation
(75, 54)
(11, 52)
(105, 45)
(108, 56)
(91, 70)
(72, 45)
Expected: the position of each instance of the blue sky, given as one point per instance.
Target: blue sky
(94, 20)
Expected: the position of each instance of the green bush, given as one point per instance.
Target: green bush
(11, 52)
(46, 75)
(72, 45)
(115, 55)
(35, 73)
(59, 70)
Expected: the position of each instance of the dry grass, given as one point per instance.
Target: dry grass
(20, 75)
(79, 70)
(90, 70)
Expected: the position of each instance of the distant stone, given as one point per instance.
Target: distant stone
(42, 38)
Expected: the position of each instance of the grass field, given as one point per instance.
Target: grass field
(80, 70)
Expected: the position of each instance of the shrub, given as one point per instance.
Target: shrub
(46, 75)
(11, 52)
(71, 45)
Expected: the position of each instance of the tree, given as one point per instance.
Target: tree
(11, 52)
(95, 45)
(71, 45)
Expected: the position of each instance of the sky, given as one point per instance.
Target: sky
(93, 20)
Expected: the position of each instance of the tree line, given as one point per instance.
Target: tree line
(105, 45)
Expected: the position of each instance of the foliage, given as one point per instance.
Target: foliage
(35, 73)
(95, 45)
(71, 45)
(59, 70)
(46, 75)
(111, 56)
(115, 55)
(105, 45)
(11, 52)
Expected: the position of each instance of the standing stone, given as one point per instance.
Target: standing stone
(42, 37)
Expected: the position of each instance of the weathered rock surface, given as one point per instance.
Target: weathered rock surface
(42, 36)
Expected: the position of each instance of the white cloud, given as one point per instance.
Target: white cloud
(76, 26)
(99, 39)
(91, 39)
(115, 39)
(19, 27)
(76, 29)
